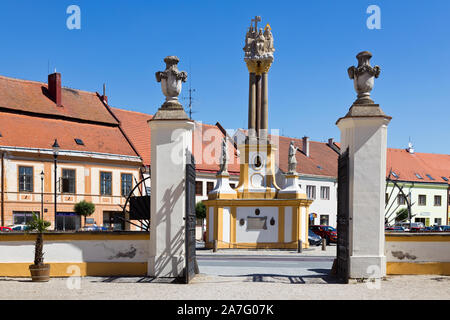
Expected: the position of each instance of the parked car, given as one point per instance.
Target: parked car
(5, 229)
(414, 226)
(93, 228)
(327, 232)
(18, 227)
(314, 239)
(395, 229)
(437, 229)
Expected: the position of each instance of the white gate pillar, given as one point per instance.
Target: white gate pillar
(364, 134)
(171, 142)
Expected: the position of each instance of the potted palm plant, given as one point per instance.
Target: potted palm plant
(40, 272)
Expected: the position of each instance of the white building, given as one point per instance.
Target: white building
(424, 178)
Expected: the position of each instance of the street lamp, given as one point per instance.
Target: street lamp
(55, 148)
(42, 195)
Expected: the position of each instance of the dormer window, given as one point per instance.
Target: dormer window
(395, 175)
(79, 142)
(430, 177)
(419, 176)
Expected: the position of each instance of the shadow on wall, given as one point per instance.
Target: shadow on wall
(174, 238)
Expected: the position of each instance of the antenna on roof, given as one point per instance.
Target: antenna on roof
(190, 98)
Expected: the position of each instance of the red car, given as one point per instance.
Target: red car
(5, 229)
(327, 232)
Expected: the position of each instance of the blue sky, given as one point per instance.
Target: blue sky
(123, 43)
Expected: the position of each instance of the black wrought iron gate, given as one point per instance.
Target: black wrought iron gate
(343, 254)
(191, 261)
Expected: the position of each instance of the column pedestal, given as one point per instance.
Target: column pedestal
(364, 134)
(171, 142)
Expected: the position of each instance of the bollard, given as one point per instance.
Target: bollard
(324, 244)
(215, 246)
(299, 246)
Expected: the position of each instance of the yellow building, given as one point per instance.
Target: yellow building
(95, 162)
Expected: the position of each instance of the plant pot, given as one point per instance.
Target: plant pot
(40, 273)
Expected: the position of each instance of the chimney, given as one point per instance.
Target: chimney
(410, 148)
(306, 146)
(54, 88)
(104, 96)
(331, 142)
(333, 146)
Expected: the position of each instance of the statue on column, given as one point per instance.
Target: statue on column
(224, 157)
(292, 160)
(258, 44)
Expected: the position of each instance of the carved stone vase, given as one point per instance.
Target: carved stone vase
(171, 80)
(363, 77)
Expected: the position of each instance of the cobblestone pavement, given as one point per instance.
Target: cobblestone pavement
(208, 287)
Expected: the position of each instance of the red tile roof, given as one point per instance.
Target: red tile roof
(207, 149)
(32, 96)
(29, 131)
(136, 128)
(407, 165)
(207, 141)
(322, 160)
(29, 118)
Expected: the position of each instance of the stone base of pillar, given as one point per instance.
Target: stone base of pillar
(364, 267)
(166, 266)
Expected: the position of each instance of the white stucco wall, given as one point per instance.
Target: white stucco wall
(254, 236)
(77, 251)
(418, 250)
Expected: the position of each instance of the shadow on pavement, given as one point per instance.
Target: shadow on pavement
(322, 277)
(138, 280)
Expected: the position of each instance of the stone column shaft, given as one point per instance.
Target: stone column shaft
(258, 104)
(252, 104)
(264, 125)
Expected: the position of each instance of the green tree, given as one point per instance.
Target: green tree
(40, 226)
(402, 215)
(200, 210)
(84, 208)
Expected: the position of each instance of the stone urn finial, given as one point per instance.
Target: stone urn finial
(171, 80)
(363, 77)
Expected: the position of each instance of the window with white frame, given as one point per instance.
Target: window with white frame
(325, 193)
(311, 192)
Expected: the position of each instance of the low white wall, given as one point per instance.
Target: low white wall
(77, 251)
(421, 253)
(418, 248)
(108, 254)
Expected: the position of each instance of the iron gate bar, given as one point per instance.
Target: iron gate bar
(343, 253)
(191, 267)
